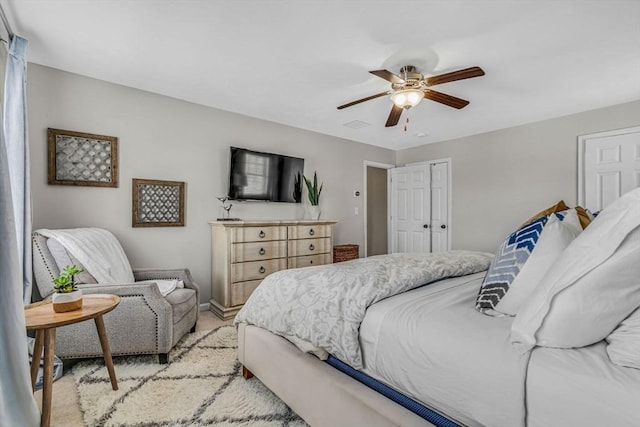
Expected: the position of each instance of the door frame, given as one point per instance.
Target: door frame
(378, 165)
(446, 160)
(582, 143)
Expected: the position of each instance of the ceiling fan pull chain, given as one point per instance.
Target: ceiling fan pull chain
(405, 126)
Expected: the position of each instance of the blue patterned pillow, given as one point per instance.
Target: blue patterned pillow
(511, 256)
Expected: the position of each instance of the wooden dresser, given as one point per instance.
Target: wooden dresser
(245, 252)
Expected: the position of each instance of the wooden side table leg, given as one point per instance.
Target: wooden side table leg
(37, 354)
(47, 388)
(104, 342)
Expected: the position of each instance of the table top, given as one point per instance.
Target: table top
(42, 316)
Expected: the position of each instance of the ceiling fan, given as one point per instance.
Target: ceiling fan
(408, 89)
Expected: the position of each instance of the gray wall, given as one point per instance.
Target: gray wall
(501, 178)
(168, 139)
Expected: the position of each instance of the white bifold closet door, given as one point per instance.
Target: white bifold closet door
(419, 208)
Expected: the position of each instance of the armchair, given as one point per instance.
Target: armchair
(145, 321)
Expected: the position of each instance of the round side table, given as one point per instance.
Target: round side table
(41, 318)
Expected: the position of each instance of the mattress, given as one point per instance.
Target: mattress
(433, 346)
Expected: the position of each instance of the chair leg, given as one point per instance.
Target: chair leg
(193, 328)
(164, 358)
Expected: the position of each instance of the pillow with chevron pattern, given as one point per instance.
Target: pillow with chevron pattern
(511, 257)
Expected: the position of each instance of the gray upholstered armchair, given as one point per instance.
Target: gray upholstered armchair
(145, 321)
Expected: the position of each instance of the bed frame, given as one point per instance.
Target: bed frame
(320, 394)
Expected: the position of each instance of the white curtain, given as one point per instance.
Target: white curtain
(15, 133)
(17, 405)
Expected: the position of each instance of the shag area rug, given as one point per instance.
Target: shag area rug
(201, 385)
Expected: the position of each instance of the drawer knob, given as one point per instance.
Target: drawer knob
(311, 247)
(262, 251)
(311, 232)
(310, 261)
(262, 270)
(261, 234)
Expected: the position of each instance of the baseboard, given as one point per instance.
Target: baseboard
(203, 306)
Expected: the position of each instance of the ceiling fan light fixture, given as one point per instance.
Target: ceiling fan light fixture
(407, 98)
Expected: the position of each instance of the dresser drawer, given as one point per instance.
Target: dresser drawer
(309, 231)
(254, 270)
(258, 234)
(241, 291)
(309, 246)
(309, 260)
(241, 252)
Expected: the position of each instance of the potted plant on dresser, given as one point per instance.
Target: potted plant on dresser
(67, 297)
(314, 196)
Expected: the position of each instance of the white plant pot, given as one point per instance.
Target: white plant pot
(67, 302)
(313, 212)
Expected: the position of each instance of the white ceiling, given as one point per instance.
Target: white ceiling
(293, 62)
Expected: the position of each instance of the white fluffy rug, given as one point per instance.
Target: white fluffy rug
(200, 386)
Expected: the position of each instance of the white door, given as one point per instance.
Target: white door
(611, 166)
(439, 206)
(410, 209)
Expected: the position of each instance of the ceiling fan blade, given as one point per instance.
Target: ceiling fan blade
(387, 75)
(394, 116)
(368, 98)
(467, 73)
(445, 99)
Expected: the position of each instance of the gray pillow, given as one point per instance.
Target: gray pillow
(64, 258)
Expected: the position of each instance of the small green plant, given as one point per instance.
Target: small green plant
(312, 188)
(64, 283)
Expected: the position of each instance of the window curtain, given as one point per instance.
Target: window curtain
(17, 405)
(15, 133)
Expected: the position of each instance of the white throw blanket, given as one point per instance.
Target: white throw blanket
(98, 251)
(325, 305)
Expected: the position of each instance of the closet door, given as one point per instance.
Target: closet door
(410, 209)
(609, 166)
(439, 206)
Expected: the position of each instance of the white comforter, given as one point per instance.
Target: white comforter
(432, 345)
(325, 305)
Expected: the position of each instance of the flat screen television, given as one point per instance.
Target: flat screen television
(254, 175)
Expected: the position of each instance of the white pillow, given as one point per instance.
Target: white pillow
(591, 288)
(624, 342)
(553, 240)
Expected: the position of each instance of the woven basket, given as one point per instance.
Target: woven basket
(345, 252)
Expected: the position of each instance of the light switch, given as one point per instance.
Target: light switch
(356, 211)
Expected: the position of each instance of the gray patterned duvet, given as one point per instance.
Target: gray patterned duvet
(325, 305)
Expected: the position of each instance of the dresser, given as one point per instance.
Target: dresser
(245, 252)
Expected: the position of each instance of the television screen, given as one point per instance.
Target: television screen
(254, 175)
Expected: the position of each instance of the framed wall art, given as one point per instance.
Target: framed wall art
(77, 158)
(157, 203)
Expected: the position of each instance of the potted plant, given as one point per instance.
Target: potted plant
(67, 297)
(314, 195)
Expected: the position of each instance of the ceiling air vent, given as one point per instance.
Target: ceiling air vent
(356, 124)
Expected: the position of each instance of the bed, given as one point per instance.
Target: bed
(430, 343)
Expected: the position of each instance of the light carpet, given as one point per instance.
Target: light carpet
(201, 386)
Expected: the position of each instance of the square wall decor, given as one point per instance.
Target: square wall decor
(157, 203)
(77, 158)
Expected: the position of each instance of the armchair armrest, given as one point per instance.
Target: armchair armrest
(183, 274)
(148, 290)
